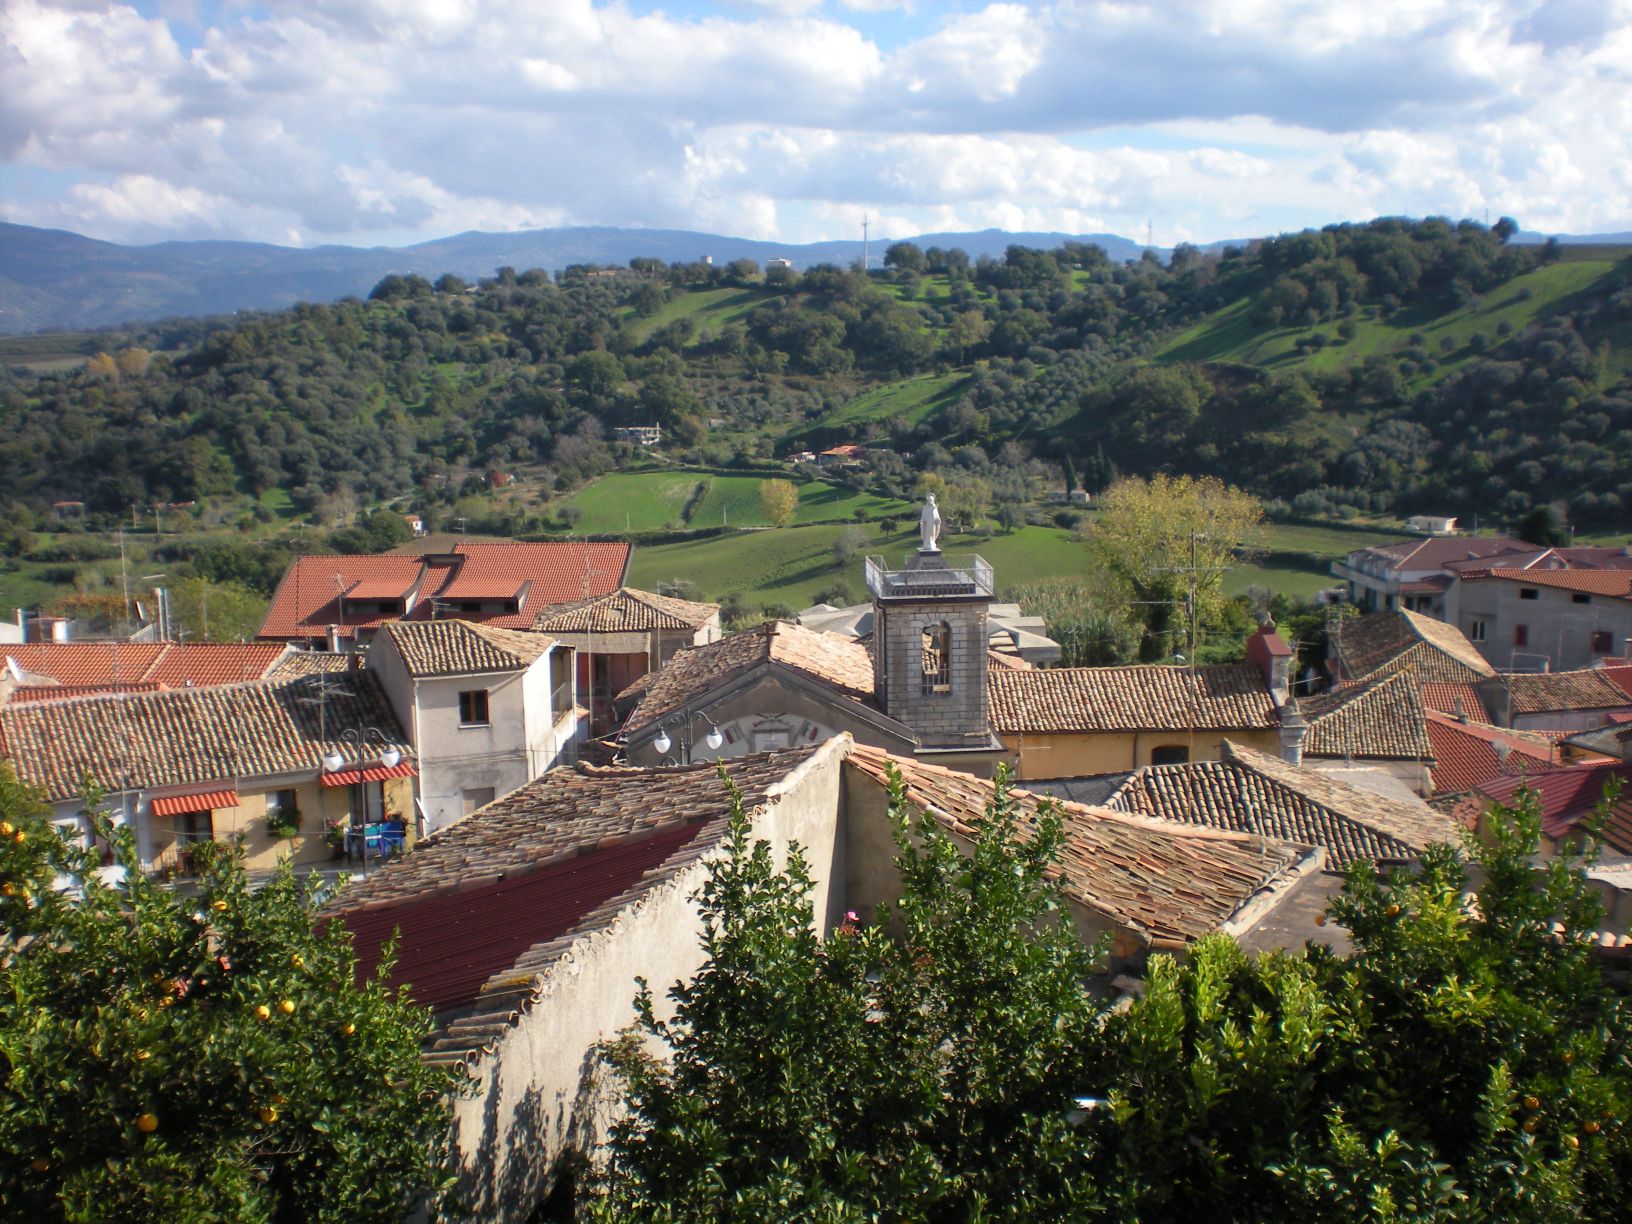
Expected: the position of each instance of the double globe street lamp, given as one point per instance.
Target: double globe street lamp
(714, 739)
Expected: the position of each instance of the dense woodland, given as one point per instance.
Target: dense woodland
(431, 385)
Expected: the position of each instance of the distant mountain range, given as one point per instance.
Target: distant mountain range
(56, 280)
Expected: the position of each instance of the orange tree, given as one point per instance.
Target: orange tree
(203, 1057)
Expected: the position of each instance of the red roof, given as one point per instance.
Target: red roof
(1460, 700)
(307, 601)
(1566, 795)
(121, 666)
(1616, 583)
(1465, 753)
(209, 801)
(1620, 675)
(449, 945)
(370, 773)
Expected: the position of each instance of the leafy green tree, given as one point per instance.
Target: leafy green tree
(780, 500)
(193, 1058)
(922, 1066)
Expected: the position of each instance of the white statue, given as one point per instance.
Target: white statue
(929, 525)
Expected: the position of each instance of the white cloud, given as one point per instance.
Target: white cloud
(345, 119)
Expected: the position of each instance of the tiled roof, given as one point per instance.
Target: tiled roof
(186, 736)
(1570, 794)
(1393, 640)
(1382, 718)
(1465, 753)
(1619, 673)
(458, 648)
(1439, 551)
(61, 692)
(115, 665)
(315, 663)
(835, 660)
(1614, 583)
(1251, 792)
(307, 600)
(510, 888)
(625, 610)
(1588, 688)
(1168, 882)
(1457, 700)
(1228, 697)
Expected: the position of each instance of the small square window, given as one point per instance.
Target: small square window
(1529, 593)
(473, 708)
(1578, 597)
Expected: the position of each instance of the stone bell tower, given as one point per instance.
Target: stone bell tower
(930, 644)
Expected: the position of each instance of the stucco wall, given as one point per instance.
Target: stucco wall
(455, 758)
(537, 1096)
(1083, 754)
(1558, 629)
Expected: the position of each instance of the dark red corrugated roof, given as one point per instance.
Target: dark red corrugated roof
(1566, 796)
(451, 943)
(1465, 753)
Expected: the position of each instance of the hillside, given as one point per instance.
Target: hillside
(53, 279)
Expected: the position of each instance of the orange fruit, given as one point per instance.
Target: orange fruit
(1532, 1102)
(1392, 910)
(19, 837)
(348, 1029)
(1532, 1125)
(263, 1011)
(269, 1115)
(1591, 1126)
(147, 1123)
(287, 1007)
(8, 888)
(142, 1055)
(297, 960)
(1320, 919)
(219, 906)
(7, 828)
(1572, 1141)
(40, 1165)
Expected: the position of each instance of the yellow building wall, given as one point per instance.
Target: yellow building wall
(1079, 754)
(319, 806)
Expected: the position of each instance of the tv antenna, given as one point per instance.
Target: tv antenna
(864, 223)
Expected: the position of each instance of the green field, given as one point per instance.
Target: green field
(1327, 541)
(912, 399)
(654, 501)
(789, 566)
(1232, 335)
(710, 309)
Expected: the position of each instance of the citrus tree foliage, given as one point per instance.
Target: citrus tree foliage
(190, 1058)
(920, 1065)
(1466, 1063)
(1153, 538)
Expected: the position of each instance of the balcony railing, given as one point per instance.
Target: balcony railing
(930, 574)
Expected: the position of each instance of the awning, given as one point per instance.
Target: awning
(209, 801)
(374, 773)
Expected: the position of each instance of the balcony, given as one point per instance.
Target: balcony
(931, 576)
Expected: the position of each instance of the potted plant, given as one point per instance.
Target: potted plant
(334, 836)
(284, 822)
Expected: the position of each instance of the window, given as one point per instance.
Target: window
(1578, 597)
(1529, 593)
(473, 799)
(937, 658)
(1170, 754)
(280, 803)
(1521, 635)
(1603, 642)
(473, 708)
(561, 665)
(1476, 630)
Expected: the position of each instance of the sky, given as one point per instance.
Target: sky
(395, 121)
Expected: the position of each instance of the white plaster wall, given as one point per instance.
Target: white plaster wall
(455, 758)
(537, 1096)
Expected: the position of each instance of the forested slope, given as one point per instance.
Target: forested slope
(1388, 366)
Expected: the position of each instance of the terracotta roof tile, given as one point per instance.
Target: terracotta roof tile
(625, 610)
(307, 601)
(1613, 583)
(1590, 688)
(1382, 718)
(1465, 753)
(831, 658)
(1228, 697)
(186, 736)
(1394, 640)
(115, 665)
(457, 647)
(1457, 700)
(315, 663)
(1252, 792)
(1436, 552)
(1168, 882)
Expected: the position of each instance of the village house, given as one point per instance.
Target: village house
(526, 925)
(622, 636)
(487, 709)
(1543, 619)
(1385, 642)
(1559, 701)
(44, 671)
(1379, 722)
(638, 435)
(339, 602)
(1468, 754)
(1415, 574)
(190, 764)
(845, 455)
(1567, 799)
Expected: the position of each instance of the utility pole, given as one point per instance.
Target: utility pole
(124, 577)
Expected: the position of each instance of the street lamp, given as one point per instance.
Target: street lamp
(714, 739)
(335, 758)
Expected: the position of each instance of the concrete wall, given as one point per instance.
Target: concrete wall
(539, 1095)
(1082, 754)
(1413, 774)
(1559, 629)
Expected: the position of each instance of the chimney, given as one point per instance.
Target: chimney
(1293, 729)
(333, 634)
(1268, 652)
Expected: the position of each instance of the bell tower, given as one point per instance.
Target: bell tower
(930, 657)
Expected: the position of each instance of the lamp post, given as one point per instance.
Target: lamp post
(362, 738)
(714, 739)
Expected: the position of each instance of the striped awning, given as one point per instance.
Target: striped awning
(373, 773)
(208, 801)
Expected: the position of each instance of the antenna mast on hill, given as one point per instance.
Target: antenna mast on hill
(1150, 234)
(864, 222)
